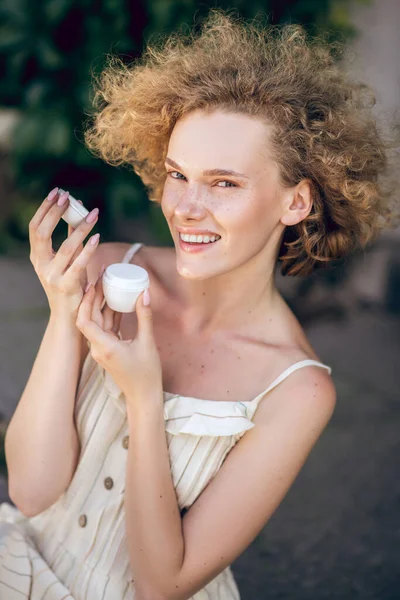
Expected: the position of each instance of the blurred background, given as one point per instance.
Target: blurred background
(337, 532)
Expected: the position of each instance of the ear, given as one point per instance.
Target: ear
(299, 203)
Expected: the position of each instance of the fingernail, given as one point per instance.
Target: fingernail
(63, 198)
(92, 215)
(52, 194)
(94, 239)
(146, 298)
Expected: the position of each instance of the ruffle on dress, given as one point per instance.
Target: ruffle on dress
(195, 416)
(199, 417)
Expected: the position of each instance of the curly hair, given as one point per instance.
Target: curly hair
(323, 128)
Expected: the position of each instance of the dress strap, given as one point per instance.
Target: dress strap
(131, 251)
(287, 372)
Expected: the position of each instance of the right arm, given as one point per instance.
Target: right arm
(41, 441)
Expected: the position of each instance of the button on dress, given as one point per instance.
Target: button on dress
(77, 548)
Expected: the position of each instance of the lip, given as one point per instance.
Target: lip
(192, 231)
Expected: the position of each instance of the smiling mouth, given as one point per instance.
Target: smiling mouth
(199, 239)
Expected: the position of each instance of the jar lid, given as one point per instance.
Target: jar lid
(74, 205)
(126, 276)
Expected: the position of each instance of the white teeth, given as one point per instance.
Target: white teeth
(199, 239)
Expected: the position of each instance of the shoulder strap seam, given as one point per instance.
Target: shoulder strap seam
(289, 371)
(131, 252)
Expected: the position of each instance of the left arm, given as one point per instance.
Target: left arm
(173, 558)
(153, 521)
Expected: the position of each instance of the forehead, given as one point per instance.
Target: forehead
(219, 140)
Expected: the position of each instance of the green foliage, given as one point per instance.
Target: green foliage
(48, 51)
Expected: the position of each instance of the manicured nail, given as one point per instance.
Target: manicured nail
(63, 198)
(94, 239)
(146, 298)
(92, 215)
(52, 194)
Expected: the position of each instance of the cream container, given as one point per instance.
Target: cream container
(75, 212)
(122, 285)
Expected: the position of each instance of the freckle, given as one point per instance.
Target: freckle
(190, 364)
(221, 557)
(204, 293)
(202, 366)
(160, 495)
(212, 351)
(227, 391)
(239, 357)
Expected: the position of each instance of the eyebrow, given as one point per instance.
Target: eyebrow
(210, 172)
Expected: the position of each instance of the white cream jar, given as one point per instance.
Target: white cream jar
(122, 285)
(75, 212)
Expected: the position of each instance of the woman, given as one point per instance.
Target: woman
(152, 461)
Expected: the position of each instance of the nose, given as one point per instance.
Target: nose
(190, 207)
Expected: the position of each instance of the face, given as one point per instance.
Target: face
(241, 205)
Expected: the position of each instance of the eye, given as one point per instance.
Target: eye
(230, 183)
(177, 172)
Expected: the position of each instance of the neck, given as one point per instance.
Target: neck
(244, 295)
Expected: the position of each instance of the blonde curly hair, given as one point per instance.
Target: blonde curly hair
(323, 128)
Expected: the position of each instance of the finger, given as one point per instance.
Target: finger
(47, 222)
(108, 317)
(42, 247)
(79, 249)
(97, 315)
(117, 322)
(145, 317)
(91, 330)
(73, 246)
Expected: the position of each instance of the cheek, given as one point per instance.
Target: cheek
(237, 212)
(169, 200)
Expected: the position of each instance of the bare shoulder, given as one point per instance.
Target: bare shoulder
(309, 392)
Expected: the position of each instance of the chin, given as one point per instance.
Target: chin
(197, 272)
(187, 273)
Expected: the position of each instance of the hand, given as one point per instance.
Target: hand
(134, 364)
(63, 273)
